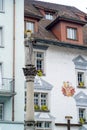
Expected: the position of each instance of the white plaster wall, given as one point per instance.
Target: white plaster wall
(6, 54)
(19, 76)
(59, 68)
(11, 126)
(6, 21)
(8, 110)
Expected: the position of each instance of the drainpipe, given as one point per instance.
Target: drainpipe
(13, 59)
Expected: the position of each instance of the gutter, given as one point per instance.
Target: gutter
(13, 75)
(60, 44)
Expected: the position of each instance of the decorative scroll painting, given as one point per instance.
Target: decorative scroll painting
(67, 89)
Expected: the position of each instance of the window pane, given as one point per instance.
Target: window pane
(40, 124)
(1, 111)
(80, 77)
(39, 60)
(43, 99)
(81, 113)
(30, 26)
(47, 124)
(36, 99)
(0, 76)
(49, 16)
(0, 36)
(72, 33)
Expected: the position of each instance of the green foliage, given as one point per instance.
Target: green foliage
(36, 107)
(39, 73)
(44, 108)
(81, 84)
(82, 120)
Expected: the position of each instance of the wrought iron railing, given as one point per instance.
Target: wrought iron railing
(6, 84)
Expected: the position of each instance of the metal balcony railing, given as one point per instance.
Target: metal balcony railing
(6, 84)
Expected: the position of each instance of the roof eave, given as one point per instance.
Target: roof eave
(33, 16)
(63, 18)
(61, 44)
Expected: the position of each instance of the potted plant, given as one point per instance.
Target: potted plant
(39, 73)
(81, 84)
(44, 108)
(82, 120)
(36, 107)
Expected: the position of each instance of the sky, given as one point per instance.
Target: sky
(80, 4)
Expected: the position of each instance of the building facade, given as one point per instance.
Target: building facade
(11, 42)
(60, 53)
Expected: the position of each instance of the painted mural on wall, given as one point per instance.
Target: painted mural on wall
(67, 89)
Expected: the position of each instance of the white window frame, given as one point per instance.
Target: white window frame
(44, 99)
(71, 33)
(1, 36)
(0, 75)
(84, 113)
(83, 77)
(2, 6)
(30, 26)
(40, 98)
(49, 16)
(36, 99)
(2, 111)
(42, 125)
(43, 59)
(80, 77)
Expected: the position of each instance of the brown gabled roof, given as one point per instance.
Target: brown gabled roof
(59, 9)
(62, 12)
(65, 18)
(42, 32)
(30, 10)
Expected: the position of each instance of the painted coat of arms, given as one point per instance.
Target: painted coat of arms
(67, 89)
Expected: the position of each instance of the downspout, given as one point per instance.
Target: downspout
(13, 75)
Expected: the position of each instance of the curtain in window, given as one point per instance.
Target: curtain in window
(30, 26)
(72, 33)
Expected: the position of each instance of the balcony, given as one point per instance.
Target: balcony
(6, 88)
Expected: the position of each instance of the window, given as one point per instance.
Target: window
(39, 61)
(80, 68)
(0, 75)
(1, 5)
(1, 111)
(72, 33)
(80, 79)
(49, 16)
(82, 113)
(1, 36)
(36, 99)
(41, 99)
(44, 125)
(30, 26)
